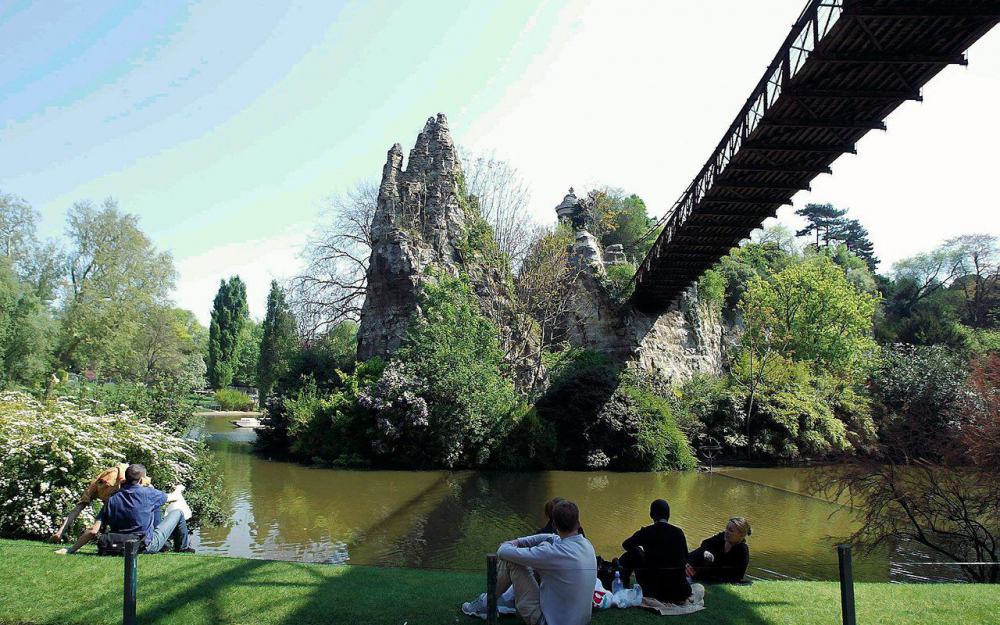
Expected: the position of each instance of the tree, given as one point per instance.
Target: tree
(934, 482)
(332, 286)
(855, 237)
(823, 220)
(278, 342)
(229, 315)
(168, 348)
(978, 260)
(116, 276)
(39, 264)
(25, 332)
(809, 312)
(616, 218)
(17, 228)
(547, 290)
(246, 360)
(502, 197)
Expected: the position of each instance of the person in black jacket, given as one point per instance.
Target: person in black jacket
(723, 557)
(657, 554)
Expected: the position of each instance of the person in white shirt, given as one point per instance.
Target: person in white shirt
(566, 564)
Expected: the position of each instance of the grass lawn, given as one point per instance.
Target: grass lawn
(39, 587)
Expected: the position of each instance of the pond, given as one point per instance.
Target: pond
(451, 519)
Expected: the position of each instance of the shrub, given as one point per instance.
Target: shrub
(618, 281)
(50, 451)
(161, 402)
(323, 426)
(231, 399)
(452, 362)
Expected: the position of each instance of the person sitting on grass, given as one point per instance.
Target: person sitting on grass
(134, 509)
(101, 488)
(548, 528)
(723, 557)
(566, 563)
(657, 554)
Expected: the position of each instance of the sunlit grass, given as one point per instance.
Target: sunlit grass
(39, 587)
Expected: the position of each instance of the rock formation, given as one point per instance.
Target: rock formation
(418, 223)
(686, 339)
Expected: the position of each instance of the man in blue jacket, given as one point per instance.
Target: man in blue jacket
(135, 509)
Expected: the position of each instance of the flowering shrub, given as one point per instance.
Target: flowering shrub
(50, 451)
(401, 413)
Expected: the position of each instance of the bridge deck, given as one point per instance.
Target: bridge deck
(843, 68)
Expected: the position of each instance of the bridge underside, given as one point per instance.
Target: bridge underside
(844, 67)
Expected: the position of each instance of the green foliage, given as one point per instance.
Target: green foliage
(229, 315)
(451, 362)
(618, 281)
(25, 332)
(232, 399)
(50, 451)
(809, 312)
(165, 402)
(917, 388)
(616, 218)
(116, 281)
(321, 360)
(712, 289)
(743, 264)
(278, 342)
(246, 360)
(602, 418)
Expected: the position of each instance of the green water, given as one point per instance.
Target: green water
(449, 520)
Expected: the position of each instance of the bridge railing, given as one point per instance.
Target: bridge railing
(813, 24)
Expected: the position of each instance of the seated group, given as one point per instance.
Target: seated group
(551, 575)
(131, 506)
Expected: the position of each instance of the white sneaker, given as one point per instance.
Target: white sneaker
(476, 608)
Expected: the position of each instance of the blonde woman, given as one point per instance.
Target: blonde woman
(723, 557)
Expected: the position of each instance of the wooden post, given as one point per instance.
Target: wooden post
(491, 589)
(846, 585)
(131, 581)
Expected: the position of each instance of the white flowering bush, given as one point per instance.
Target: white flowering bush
(401, 413)
(50, 451)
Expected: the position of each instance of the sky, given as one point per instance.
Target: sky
(227, 126)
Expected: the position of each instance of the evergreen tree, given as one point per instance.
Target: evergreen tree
(229, 314)
(823, 220)
(855, 237)
(278, 344)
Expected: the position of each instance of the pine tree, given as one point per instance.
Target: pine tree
(229, 314)
(823, 220)
(278, 343)
(855, 237)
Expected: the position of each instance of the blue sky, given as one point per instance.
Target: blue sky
(227, 125)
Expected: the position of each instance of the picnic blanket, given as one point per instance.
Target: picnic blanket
(695, 603)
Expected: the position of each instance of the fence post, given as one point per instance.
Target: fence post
(846, 585)
(491, 589)
(128, 609)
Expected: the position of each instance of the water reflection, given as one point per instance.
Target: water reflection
(438, 519)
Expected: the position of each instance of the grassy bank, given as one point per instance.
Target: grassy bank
(39, 587)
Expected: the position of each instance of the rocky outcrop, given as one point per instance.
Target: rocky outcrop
(418, 223)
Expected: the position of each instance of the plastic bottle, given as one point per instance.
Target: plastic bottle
(616, 585)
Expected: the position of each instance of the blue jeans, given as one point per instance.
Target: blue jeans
(173, 526)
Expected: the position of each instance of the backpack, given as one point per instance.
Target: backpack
(113, 543)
